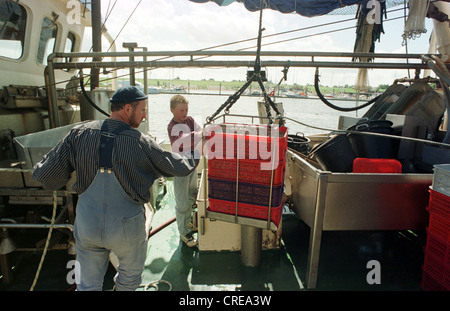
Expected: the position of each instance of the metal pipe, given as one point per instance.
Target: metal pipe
(229, 64)
(50, 85)
(96, 18)
(440, 73)
(36, 226)
(112, 43)
(251, 241)
(145, 74)
(238, 53)
(15, 170)
(131, 46)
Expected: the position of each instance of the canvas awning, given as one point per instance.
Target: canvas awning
(303, 7)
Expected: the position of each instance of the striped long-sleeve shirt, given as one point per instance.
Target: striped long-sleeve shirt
(137, 160)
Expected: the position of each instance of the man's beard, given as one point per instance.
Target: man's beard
(134, 121)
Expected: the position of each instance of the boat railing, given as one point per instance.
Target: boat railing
(6, 224)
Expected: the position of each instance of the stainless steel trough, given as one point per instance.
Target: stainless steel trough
(348, 201)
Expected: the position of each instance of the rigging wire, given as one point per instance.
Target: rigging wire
(123, 27)
(251, 47)
(312, 35)
(252, 39)
(256, 77)
(406, 41)
(245, 40)
(108, 14)
(296, 30)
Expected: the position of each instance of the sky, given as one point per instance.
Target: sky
(175, 25)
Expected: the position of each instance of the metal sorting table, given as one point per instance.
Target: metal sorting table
(328, 201)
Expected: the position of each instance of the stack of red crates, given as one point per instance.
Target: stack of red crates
(436, 268)
(242, 155)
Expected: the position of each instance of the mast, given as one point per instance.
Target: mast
(96, 40)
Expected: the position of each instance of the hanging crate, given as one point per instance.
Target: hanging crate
(248, 193)
(249, 171)
(246, 210)
(246, 165)
(231, 141)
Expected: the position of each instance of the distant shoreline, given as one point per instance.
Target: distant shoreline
(228, 93)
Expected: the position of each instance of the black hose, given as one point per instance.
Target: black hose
(326, 102)
(90, 101)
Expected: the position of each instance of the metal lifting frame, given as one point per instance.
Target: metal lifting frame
(256, 77)
(69, 63)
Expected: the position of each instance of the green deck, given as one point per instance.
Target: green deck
(342, 266)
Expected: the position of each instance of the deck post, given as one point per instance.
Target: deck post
(251, 241)
(315, 237)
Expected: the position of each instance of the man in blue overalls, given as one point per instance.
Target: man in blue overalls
(115, 167)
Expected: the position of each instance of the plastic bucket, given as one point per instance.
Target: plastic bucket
(368, 146)
(298, 143)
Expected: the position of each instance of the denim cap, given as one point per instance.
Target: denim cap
(127, 94)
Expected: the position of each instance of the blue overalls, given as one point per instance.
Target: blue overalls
(108, 220)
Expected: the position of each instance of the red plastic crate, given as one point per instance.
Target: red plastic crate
(438, 270)
(429, 283)
(365, 165)
(248, 193)
(439, 226)
(446, 280)
(260, 149)
(246, 210)
(246, 142)
(439, 204)
(438, 248)
(250, 171)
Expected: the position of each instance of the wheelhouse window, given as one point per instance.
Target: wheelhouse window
(47, 41)
(70, 43)
(13, 19)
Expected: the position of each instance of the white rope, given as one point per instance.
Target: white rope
(47, 243)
